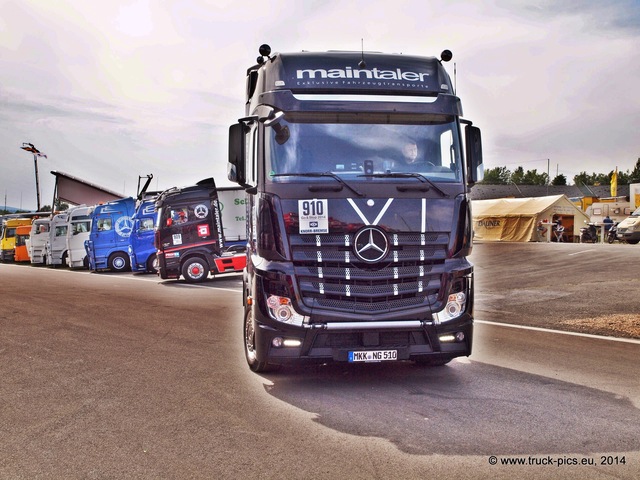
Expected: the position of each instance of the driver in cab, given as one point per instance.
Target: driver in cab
(410, 160)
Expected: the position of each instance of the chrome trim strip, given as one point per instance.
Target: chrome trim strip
(363, 98)
(389, 325)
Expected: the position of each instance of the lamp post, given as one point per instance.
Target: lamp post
(29, 147)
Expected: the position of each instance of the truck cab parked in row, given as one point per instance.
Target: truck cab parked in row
(21, 253)
(141, 248)
(38, 238)
(189, 235)
(8, 239)
(111, 225)
(56, 246)
(357, 168)
(77, 233)
(233, 209)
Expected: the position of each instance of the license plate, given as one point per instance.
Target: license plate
(373, 356)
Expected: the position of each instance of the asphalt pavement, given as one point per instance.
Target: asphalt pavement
(589, 288)
(127, 376)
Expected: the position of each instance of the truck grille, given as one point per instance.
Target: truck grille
(330, 276)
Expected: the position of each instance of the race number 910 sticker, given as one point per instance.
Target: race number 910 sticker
(313, 216)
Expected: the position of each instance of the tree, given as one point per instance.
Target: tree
(634, 176)
(502, 176)
(496, 176)
(559, 180)
(532, 177)
(583, 178)
(517, 176)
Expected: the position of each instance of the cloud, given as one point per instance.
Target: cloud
(114, 90)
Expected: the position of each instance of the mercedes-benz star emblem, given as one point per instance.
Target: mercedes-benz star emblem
(371, 244)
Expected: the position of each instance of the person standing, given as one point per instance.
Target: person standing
(608, 223)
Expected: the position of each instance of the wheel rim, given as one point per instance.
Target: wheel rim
(153, 264)
(119, 263)
(196, 271)
(249, 338)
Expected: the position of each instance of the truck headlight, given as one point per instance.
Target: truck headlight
(281, 309)
(456, 304)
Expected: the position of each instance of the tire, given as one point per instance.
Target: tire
(152, 263)
(118, 262)
(633, 242)
(250, 348)
(195, 270)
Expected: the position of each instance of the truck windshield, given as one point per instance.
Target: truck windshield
(363, 147)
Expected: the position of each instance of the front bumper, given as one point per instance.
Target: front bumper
(333, 341)
(7, 255)
(626, 236)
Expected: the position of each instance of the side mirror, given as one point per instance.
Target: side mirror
(473, 143)
(236, 166)
(273, 121)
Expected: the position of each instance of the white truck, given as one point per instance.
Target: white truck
(56, 245)
(79, 226)
(36, 245)
(233, 210)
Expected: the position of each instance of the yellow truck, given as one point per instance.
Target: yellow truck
(8, 241)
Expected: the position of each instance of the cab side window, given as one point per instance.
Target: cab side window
(104, 224)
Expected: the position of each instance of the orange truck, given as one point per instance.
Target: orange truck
(21, 253)
(8, 240)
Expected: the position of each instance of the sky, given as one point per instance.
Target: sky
(111, 91)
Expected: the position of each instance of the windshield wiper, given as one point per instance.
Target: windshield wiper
(320, 174)
(419, 176)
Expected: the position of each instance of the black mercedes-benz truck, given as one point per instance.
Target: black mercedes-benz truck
(188, 232)
(357, 168)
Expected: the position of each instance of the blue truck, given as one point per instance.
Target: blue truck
(108, 243)
(141, 249)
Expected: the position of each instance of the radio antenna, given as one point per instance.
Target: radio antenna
(362, 64)
(455, 78)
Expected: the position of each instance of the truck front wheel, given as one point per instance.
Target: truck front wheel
(195, 270)
(119, 262)
(152, 263)
(250, 348)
